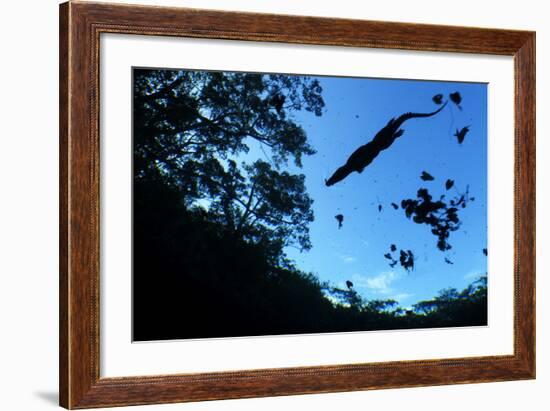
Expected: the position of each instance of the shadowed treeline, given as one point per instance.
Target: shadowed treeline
(195, 279)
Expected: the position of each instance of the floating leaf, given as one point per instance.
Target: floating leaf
(438, 99)
(456, 98)
(340, 219)
(426, 176)
(461, 134)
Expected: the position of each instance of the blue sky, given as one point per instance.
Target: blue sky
(357, 108)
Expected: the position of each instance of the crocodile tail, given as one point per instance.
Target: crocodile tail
(407, 116)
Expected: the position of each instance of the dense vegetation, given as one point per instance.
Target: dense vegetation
(210, 231)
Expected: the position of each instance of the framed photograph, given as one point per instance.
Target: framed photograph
(259, 205)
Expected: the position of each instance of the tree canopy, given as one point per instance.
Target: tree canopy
(190, 126)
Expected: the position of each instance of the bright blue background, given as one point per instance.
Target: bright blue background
(355, 110)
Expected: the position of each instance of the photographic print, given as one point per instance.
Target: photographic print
(270, 204)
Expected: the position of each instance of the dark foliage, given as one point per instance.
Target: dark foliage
(461, 134)
(441, 217)
(187, 124)
(340, 219)
(405, 258)
(469, 305)
(456, 98)
(426, 176)
(194, 278)
(438, 99)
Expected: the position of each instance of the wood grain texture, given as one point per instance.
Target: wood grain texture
(525, 201)
(63, 205)
(80, 27)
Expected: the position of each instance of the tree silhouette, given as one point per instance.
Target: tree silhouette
(454, 308)
(194, 278)
(190, 126)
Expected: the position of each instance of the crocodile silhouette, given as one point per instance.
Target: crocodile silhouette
(365, 154)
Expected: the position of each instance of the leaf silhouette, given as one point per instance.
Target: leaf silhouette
(442, 218)
(461, 134)
(406, 259)
(426, 176)
(456, 98)
(438, 99)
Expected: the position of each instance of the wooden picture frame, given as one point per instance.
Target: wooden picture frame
(80, 27)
